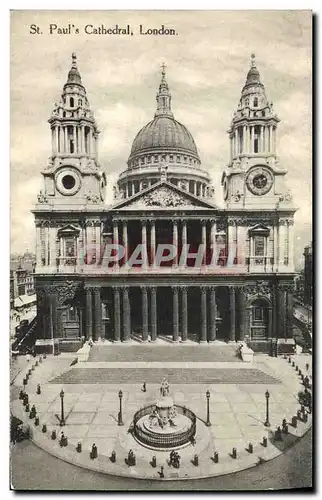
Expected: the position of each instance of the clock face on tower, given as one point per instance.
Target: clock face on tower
(259, 180)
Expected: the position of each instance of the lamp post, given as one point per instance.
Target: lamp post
(120, 421)
(208, 423)
(267, 424)
(62, 418)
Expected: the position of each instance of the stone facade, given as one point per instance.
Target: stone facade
(242, 287)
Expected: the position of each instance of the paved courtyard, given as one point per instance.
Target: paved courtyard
(237, 410)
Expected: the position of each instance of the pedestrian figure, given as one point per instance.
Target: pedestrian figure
(38, 389)
(162, 472)
(307, 366)
(144, 387)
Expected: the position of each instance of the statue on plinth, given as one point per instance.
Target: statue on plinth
(165, 388)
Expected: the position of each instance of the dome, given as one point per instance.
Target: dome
(164, 132)
(73, 74)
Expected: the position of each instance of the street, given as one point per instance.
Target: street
(35, 469)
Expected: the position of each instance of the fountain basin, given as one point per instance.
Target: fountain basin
(170, 436)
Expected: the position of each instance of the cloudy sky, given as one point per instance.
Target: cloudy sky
(207, 63)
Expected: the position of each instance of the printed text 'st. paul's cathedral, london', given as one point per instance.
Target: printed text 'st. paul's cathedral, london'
(239, 288)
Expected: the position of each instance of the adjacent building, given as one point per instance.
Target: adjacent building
(308, 274)
(240, 287)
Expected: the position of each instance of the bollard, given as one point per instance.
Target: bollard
(144, 387)
(216, 457)
(234, 453)
(27, 409)
(265, 442)
(154, 461)
(289, 360)
(294, 422)
(278, 434)
(307, 366)
(44, 428)
(53, 435)
(293, 364)
(300, 373)
(196, 460)
(38, 391)
(37, 421)
(93, 453)
(40, 359)
(33, 367)
(36, 364)
(250, 448)
(79, 447)
(113, 456)
(296, 368)
(305, 417)
(162, 471)
(21, 394)
(45, 356)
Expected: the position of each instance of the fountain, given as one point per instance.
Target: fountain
(164, 425)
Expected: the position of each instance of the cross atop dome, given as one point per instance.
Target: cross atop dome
(74, 60)
(163, 96)
(252, 60)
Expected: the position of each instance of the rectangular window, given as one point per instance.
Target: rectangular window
(155, 158)
(149, 159)
(258, 314)
(171, 158)
(259, 246)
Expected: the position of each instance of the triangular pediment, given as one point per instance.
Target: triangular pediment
(68, 229)
(259, 229)
(162, 195)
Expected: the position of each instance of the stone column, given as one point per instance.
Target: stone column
(231, 148)
(153, 314)
(203, 332)
(184, 322)
(261, 147)
(126, 315)
(175, 314)
(117, 315)
(213, 314)
(38, 247)
(53, 311)
(145, 320)
(66, 149)
(98, 242)
(89, 314)
(244, 143)
(213, 230)
(274, 140)
(184, 234)
(127, 190)
(175, 240)
(271, 138)
(291, 246)
(281, 313)
(204, 240)
(98, 313)
(232, 308)
(144, 240)
(52, 246)
(82, 138)
(236, 142)
(289, 314)
(195, 188)
(53, 144)
(75, 139)
(116, 238)
(125, 242)
(242, 313)
(251, 148)
(152, 236)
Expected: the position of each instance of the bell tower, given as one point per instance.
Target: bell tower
(73, 174)
(253, 176)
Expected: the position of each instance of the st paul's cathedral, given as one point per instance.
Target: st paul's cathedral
(238, 288)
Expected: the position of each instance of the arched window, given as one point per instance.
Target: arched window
(80, 102)
(255, 102)
(247, 102)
